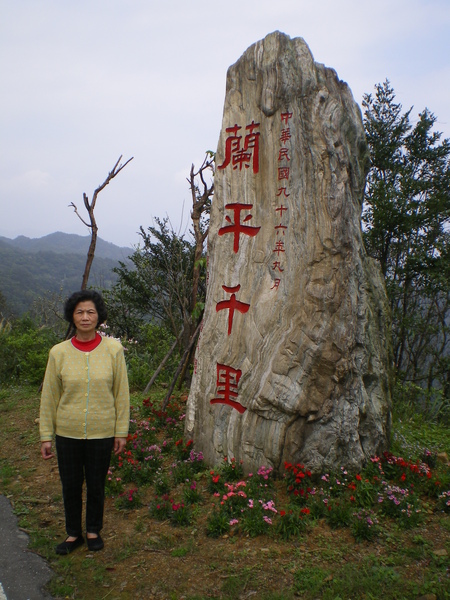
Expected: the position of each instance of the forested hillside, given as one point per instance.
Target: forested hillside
(32, 267)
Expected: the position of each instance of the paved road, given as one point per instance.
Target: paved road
(22, 573)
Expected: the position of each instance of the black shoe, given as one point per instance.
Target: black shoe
(68, 547)
(95, 544)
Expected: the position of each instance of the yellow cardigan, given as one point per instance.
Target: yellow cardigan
(85, 395)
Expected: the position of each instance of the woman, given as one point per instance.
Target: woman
(85, 404)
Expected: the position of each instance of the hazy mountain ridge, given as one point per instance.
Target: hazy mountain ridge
(68, 243)
(30, 268)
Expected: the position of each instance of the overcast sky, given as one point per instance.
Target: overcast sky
(83, 82)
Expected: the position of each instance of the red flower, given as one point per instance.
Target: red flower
(358, 477)
(282, 513)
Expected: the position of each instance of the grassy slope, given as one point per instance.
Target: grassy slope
(145, 558)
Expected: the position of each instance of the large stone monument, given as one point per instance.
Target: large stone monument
(293, 359)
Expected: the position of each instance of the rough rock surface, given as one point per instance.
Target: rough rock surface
(293, 359)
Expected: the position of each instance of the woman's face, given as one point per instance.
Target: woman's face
(85, 317)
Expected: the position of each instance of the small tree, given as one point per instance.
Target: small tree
(159, 284)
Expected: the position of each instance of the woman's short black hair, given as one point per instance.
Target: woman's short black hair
(83, 296)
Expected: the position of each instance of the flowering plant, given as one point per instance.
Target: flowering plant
(364, 525)
(182, 450)
(234, 499)
(113, 484)
(318, 503)
(398, 503)
(337, 484)
(191, 493)
(444, 501)
(231, 470)
(397, 468)
(298, 482)
(364, 490)
(128, 500)
(292, 522)
(181, 514)
(255, 520)
(260, 483)
(161, 508)
(216, 483)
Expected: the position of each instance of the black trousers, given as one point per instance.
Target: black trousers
(80, 460)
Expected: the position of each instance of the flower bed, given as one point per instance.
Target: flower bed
(390, 489)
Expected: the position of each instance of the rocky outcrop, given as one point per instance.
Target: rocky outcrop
(293, 359)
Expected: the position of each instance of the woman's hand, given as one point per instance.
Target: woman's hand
(46, 450)
(119, 444)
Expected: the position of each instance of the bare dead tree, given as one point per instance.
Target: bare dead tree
(202, 194)
(92, 224)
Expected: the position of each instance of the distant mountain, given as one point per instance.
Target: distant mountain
(68, 243)
(29, 268)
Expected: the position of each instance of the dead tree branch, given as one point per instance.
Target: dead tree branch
(201, 204)
(92, 224)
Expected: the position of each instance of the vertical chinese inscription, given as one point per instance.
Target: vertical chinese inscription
(283, 179)
(241, 152)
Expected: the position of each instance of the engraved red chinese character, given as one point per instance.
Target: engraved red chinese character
(286, 116)
(283, 173)
(283, 154)
(280, 209)
(276, 284)
(232, 304)
(237, 228)
(283, 191)
(279, 247)
(277, 265)
(281, 228)
(285, 135)
(242, 156)
(227, 384)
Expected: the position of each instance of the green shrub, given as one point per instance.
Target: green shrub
(24, 351)
(145, 353)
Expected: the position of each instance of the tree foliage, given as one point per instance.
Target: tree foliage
(406, 227)
(158, 287)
